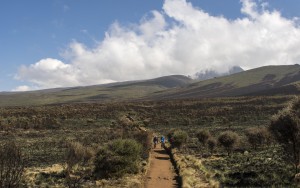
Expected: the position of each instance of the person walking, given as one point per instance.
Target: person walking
(155, 141)
(162, 141)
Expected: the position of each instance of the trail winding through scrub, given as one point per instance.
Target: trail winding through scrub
(161, 173)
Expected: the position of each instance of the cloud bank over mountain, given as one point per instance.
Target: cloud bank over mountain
(179, 39)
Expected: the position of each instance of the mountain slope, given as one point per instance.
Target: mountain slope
(98, 93)
(269, 80)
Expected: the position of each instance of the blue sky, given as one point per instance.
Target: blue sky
(62, 43)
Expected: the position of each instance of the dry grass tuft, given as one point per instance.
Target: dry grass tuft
(192, 172)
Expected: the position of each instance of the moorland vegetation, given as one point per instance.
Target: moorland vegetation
(238, 141)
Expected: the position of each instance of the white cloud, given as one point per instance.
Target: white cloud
(49, 73)
(22, 88)
(250, 8)
(180, 39)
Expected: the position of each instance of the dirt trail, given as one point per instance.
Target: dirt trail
(161, 173)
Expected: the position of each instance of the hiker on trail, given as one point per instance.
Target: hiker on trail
(171, 140)
(162, 141)
(155, 141)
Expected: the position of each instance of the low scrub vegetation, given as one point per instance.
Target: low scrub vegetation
(228, 140)
(203, 135)
(78, 164)
(118, 158)
(285, 126)
(12, 164)
(211, 144)
(254, 169)
(192, 172)
(88, 141)
(177, 138)
(257, 136)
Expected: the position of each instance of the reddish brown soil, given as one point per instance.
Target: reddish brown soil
(161, 173)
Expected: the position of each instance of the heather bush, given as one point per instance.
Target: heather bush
(202, 136)
(285, 127)
(78, 160)
(12, 165)
(228, 140)
(118, 158)
(179, 138)
(145, 139)
(257, 136)
(211, 144)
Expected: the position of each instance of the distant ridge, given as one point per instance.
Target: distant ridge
(120, 91)
(268, 80)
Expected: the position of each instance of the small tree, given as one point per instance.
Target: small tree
(285, 126)
(203, 135)
(228, 139)
(11, 165)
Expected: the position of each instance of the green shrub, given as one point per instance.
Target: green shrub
(179, 138)
(257, 136)
(145, 139)
(171, 132)
(228, 139)
(78, 158)
(141, 136)
(203, 135)
(285, 127)
(78, 154)
(211, 143)
(118, 158)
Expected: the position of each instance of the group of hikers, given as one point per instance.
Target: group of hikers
(156, 141)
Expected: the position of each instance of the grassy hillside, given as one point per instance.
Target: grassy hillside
(269, 80)
(267, 74)
(104, 93)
